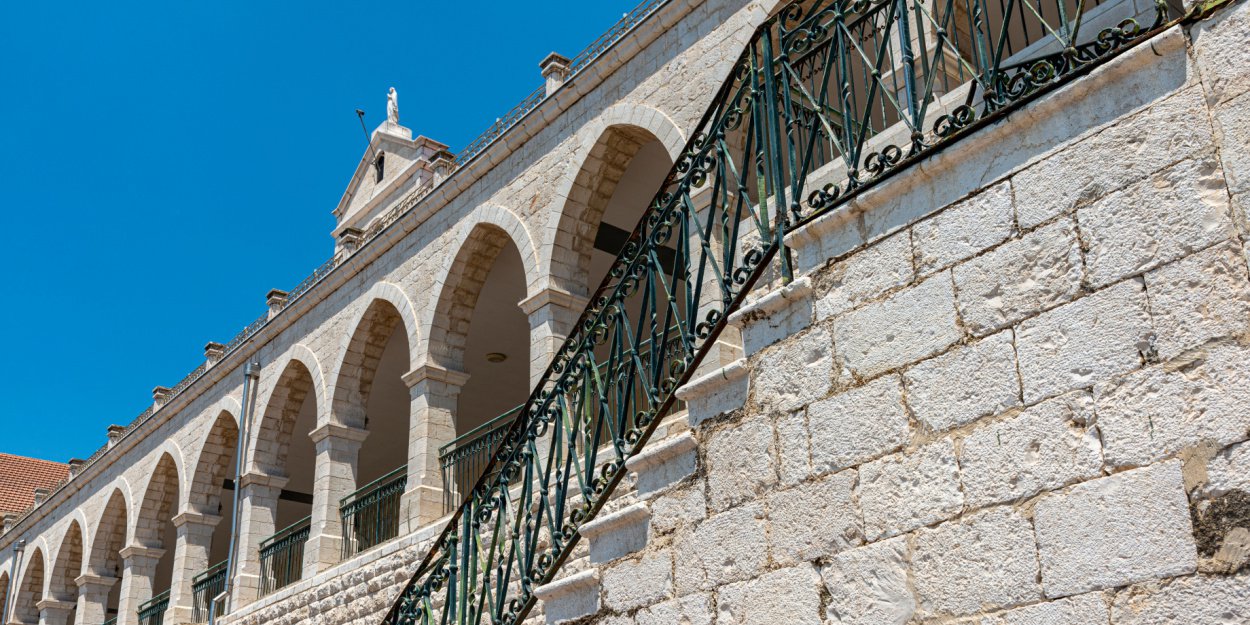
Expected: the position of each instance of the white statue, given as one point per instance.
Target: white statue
(392, 107)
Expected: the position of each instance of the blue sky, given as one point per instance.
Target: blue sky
(165, 164)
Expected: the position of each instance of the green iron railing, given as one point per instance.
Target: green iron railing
(827, 99)
(371, 514)
(111, 621)
(282, 556)
(152, 612)
(204, 587)
(463, 459)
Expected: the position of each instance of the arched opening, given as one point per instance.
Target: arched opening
(30, 593)
(4, 593)
(155, 530)
(284, 449)
(105, 560)
(212, 493)
(67, 568)
(371, 395)
(482, 331)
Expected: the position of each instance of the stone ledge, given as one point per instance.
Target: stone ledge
(618, 534)
(716, 393)
(778, 314)
(570, 598)
(663, 463)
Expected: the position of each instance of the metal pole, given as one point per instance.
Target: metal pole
(18, 548)
(250, 374)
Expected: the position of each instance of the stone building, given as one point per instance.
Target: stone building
(987, 364)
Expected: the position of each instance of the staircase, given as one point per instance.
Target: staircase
(826, 99)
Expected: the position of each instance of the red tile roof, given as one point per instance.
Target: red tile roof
(20, 476)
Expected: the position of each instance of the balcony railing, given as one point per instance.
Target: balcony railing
(204, 587)
(153, 611)
(463, 459)
(282, 556)
(371, 515)
(111, 621)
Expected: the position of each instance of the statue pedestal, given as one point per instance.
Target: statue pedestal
(394, 130)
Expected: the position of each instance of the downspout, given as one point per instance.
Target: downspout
(250, 374)
(18, 548)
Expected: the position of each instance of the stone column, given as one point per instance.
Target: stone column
(555, 69)
(55, 612)
(552, 313)
(338, 452)
(195, 538)
(93, 598)
(434, 391)
(138, 571)
(258, 514)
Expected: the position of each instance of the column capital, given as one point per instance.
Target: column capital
(552, 295)
(132, 553)
(91, 581)
(257, 478)
(196, 518)
(341, 432)
(438, 373)
(55, 604)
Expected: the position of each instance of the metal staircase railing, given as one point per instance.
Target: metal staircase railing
(826, 99)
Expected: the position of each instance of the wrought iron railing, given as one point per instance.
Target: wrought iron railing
(827, 99)
(464, 458)
(110, 621)
(152, 612)
(371, 514)
(204, 588)
(282, 556)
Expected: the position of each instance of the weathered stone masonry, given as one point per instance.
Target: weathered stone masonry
(1007, 387)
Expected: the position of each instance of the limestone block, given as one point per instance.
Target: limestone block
(793, 448)
(985, 560)
(1197, 599)
(964, 229)
(795, 372)
(1232, 127)
(727, 547)
(741, 462)
(1172, 214)
(618, 534)
(864, 275)
(663, 463)
(633, 583)
(907, 490)
(965, 384)
(689, 610)
(912, 324)
(813, 520)
(1081, 343)
(869, 585)
(775, 316)
(571, 597)
(1229, 470)
(856, 426)
(1045, 447)
(1222, 54)
(1156, 412)
(1087, 609)
(788, 596)
(1169, 130)
(718, 392)
(1199, 298)
(1117, 530)
(1021, 278)
(676, 509)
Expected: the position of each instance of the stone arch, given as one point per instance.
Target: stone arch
(67, 565)
(271, 441)
(388, 308)
(4, 592)
(30, 586)
(477, 243)
(212, 464)
(606, 148)
(160, 500)
(110, 534)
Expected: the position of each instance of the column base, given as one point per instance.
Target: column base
(321, 552)
(419, 506)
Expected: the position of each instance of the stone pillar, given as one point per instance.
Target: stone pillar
(276, 300)
(258, 514)
(434, 391)
(115, 433)
(555, 69)
(338, 450)
(552, 313)
(93, 598)
(55, 612)
(195, 538)
(214, 352)
(138, 571)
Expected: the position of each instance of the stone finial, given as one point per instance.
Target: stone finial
(8, 521)
(115, 433)
(161, 395)
(276, 299)
(214, 352)
(350, 239)
(75, 466)
(41, 495)
(555, 69)
(443, 162)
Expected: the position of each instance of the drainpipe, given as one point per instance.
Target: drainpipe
(18, 548)
(250, 374)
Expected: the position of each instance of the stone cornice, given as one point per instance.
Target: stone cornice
(437, 373)
(335, 430)
(195, 518)
(140, 552)
(552, 295)
(91, 579)
(256, 478)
